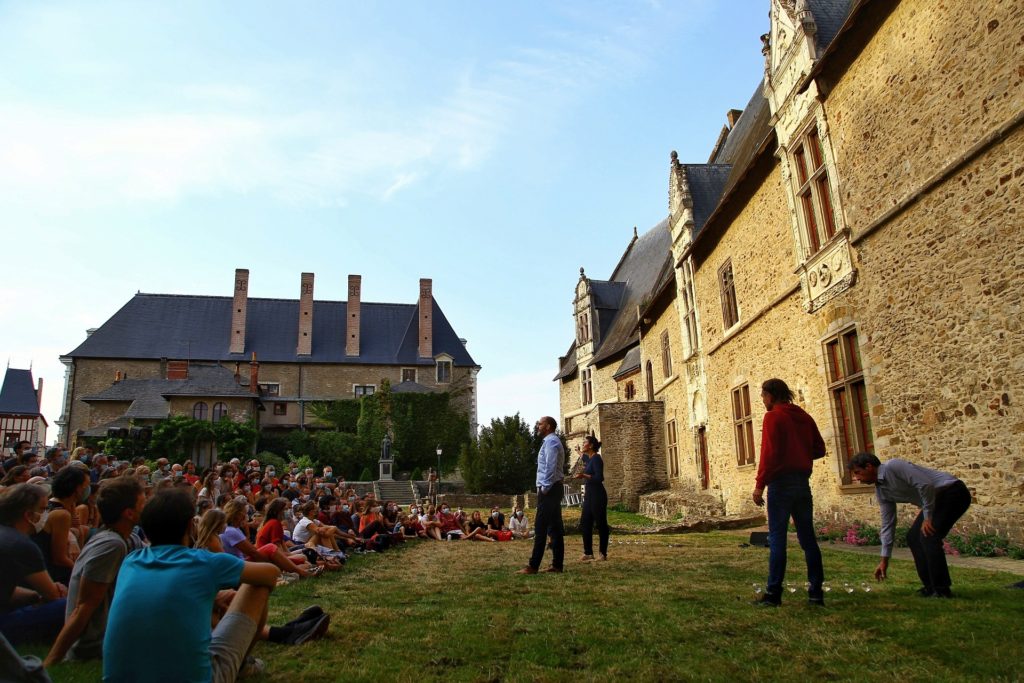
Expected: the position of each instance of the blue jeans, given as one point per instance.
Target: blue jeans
(35, 623)
(790, 496)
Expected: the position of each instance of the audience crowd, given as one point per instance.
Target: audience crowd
(94, 547)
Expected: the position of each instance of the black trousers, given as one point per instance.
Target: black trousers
(595, 511)
(549, 522)
(929, 556)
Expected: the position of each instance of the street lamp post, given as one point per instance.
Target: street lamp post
(437, 489)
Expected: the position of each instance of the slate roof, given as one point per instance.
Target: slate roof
(569, 366)
(829, 16)
(630, 362)
(746, 137)
(203, 380)
(198, 327)
(18, 395)
(706, 183)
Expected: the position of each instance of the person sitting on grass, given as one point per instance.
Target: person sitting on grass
(235, 540)
(31, 604)
(271, 532)
(169, 588)
(449, 525)
(211, 526)
(519, 525)
(411, 527)
(428, 520)
(475, 528)
(62, 534)
(120, 502)
(495, 522)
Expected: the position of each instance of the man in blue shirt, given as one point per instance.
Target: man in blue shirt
(165, 595)
(550, 463)
(943, 499)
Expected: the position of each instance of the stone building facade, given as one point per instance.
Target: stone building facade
(266, 359)
(865, 246)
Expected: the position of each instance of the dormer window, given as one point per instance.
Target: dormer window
(444, 371)
(583, 328)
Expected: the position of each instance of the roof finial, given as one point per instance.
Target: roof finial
(634, 232)
(581, 272)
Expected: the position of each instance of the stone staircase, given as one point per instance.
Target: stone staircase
(402, 492)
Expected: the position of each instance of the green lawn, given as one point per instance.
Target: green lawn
(662, 608)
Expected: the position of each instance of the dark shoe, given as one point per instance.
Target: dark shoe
(553, 570)
(311, 612)
(942, 593)
(527, 570)
(309, 630)
(816, 600)
(925, 592)
(769, 600)
(1018, 586)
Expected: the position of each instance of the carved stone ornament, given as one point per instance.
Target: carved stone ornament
(824, 274)
(828, 274)
(812, 277)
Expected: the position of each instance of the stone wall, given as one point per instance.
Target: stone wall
(633, 447)
(93, 375)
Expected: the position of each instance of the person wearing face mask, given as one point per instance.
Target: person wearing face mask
(62, 534)
(428, 520)
(495, 522)
(450, 528)
(31, 604)
(162, 471)
(519, 525)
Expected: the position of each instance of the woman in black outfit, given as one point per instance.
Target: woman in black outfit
(595, 501)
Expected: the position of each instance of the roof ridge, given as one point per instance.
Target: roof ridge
(267, 298)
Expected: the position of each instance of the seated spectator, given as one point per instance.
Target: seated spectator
(495, 522)
(411, 527)
(428, 520)
(16, 475)
(519, 525)
(209, 489)
(311, 532)
(235, 540)
(271, 532)
(89, 512)
(120, 502)
(180, 584)
(476, 529)
(449, 525)
(190, 472)
(211, 526)
(62, 533)
(31, 604)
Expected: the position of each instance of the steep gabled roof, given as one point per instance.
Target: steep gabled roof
(630, 363)
(18, 395)
(639, 272)
(829, 16)
(176, 326)
(706, 183)
(568, 368)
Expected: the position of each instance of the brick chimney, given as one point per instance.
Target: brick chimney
(355, 283)
(254, 375)
(426, 320)
(177, 369)
(732, 116)
(305, 346)
(238, 307)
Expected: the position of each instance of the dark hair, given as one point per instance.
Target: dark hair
(67, 480)
(12, 473)
(274, 510)
(550, 422)
(862, 460)
(778, 390)
(167, 517)
(594, 443)
(16, 500)
(116, 496)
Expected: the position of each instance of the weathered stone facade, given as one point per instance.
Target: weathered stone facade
(633, 447)
(880, 209)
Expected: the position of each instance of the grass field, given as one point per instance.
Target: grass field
(663, 608)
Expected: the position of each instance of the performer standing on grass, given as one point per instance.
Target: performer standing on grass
(550, 461)
(790, 442)
(595, 501)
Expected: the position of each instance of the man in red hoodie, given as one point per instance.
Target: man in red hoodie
(790, 442)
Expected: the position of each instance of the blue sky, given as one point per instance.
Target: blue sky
(494, 147)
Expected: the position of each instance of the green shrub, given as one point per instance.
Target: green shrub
(366, 475)
(417, 475)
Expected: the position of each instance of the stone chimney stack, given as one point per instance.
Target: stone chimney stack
(426, 319)
(254, 375)
(355, 283)
(305, 346)
(733, 115)
(238, 307)
(39, 394)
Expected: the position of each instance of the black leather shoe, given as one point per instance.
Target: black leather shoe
(816, 599)
(925, 592)
(769, 600)
(942, 593)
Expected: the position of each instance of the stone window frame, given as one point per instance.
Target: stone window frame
(219, 411)
(691, 335)
(814, 200)
(583, 328)
(360, 390)
(200, 410)
(727, 292)
(629, 390)
(586, 386)
(444, 371)
(270, 388)
(743, 425)
(666, 355)
(848, 396)
(672, 444)
(403, 371)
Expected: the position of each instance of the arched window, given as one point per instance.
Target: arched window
(200, 411)
(220, 410)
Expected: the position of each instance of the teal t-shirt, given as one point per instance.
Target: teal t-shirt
(159, 623)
